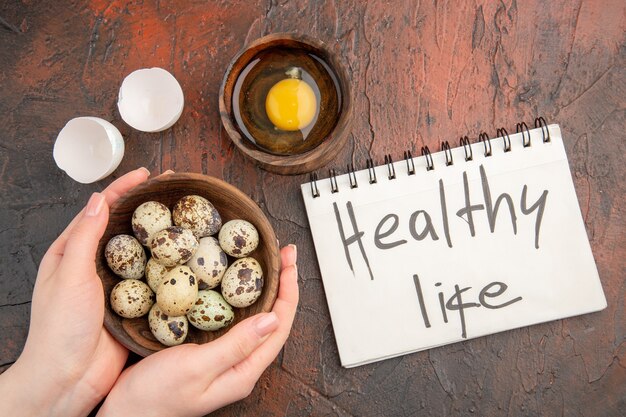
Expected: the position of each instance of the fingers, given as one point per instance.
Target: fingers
(114, 191)
(288, 255)
(243, 345)
(82, 242)
(239, 342)
(285, 308)
(245, 374)
(117, 188)
(125, 183)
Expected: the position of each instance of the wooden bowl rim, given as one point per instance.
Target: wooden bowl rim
(271, 242)
(316, 157)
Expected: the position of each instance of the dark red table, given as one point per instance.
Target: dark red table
(421, 72)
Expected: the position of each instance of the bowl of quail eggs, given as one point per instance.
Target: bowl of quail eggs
(184, 258)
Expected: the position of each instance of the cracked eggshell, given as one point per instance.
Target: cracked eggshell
(149, 218)
(131, 298)
(125, 256)
(169, 330)
(155, 274)
(242, 283)
(208, 263)
(239, 238)
(197, 214)
(178, 291)
(173, 246)
(210, 312)
(150, 99)
(88, 149)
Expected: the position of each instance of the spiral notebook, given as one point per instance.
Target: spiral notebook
(453, 245)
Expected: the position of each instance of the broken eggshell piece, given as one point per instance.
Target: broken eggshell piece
(88, 149)
(150, 99)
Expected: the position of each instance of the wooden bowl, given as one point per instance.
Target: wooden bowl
(231, 203)
(287, 164)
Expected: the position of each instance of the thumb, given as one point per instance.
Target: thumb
(82, 242)
(236, 345)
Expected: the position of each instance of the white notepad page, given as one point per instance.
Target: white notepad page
(413, 255)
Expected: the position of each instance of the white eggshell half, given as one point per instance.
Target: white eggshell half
(88, 149)
(150, 100)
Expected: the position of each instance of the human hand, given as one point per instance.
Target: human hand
(69, 362)
(193, 380)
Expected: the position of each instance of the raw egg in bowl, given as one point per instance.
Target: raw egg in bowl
(285, 102)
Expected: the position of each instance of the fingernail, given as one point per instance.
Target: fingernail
(169, 171)
(94, 206)
(295, 252)
(266, 324)
(146, 170)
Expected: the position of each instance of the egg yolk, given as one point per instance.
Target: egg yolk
(291, 104)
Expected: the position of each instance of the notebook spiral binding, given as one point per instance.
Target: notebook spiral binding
(483, 137)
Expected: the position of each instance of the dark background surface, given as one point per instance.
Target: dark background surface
(421, 72)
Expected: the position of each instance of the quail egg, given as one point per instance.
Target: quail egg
(173, 246)
(155, 274)
(125, 256)
(242, 282)
(210, 311)
(178, 291)
(238, 238)
(149, 218)
(197, 214)
(208, 263)
(169, 330)
(131, 298)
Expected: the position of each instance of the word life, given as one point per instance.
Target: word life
(486, 299)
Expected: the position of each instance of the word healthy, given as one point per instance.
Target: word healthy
(391, 221)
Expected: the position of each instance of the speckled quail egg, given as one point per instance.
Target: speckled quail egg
(178, 291)
(238, 238)
(149, 218)
(208, 263)
(169, 330)
(131, 298)
(197, 214)
(242, 283)
(155, 274)
(125, 256)
(173, 246)
(210, 311)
